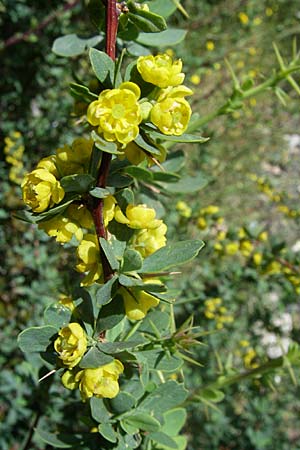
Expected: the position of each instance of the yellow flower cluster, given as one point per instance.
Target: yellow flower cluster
(150, 234)
(102, 382)
(13, 151)
(214, 310)
(89, 261)
(209, 212)
(249, 355)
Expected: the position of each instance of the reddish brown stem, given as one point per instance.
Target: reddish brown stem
(98, 204)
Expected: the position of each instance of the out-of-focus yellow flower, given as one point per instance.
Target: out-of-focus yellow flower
(252, 73)
(68, 224)
(195, 79)
(74, 158)
(244, 343)
(257, 21)
(71, 344)
(257, 258)
(148, 241)
(269, 12)
(240, 64)
(67, 302)
(217, 66)
(246, 248)
(252, 51)
(244, 19)
(218, 247)
(249, 357)
(138, 217)
(242, 233)
(171, 116)
(232, 248)
(101, 382)
(210, 210)
(183, 209)
(160, 70)
(201, 223)
(117, 113)
(41, 190)
(210, 46)
(273, 268)
(221, 235)
(88, 254)
(252, 101)
(137, 303)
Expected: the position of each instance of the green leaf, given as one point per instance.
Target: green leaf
(117, 347)
(94, 358)
(103, 145)
(132, 260)
(174, 420)
(72, 45)
(135, 49)
(130, 281)
(122, 403)
(68, 199)
(108, 251)
(161, 320)
(106, 292)
(172, 255)
(103, 67)
(165, 8)
(82, 92)
(166, 396)
(188, 184)
(146, 21)
(36, 339)
(163, 439)
(59, 440)
(166, 177)
(98, 192)
(25, 216)
(139, 173)
(57, 315)
(185, 137)
(175, 161)
(99, 411)
(145, 144)
(160, 360)
(212, 395)
(166, 38)
(79, 183)
(107, 431)
(142, 421)
(111, 314)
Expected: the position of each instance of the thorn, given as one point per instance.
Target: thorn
(47, 375)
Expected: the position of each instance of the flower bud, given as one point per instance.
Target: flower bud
(160, 70)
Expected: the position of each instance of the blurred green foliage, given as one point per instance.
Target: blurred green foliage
(260, 298)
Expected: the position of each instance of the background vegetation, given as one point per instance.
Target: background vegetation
(244, 289)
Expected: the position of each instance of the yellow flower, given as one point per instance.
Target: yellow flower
(244, 19)
(69, 224)
(88, 254)
(252, 51)
(257, 21)
(41, 190)
(137, 303)
(246, 248)
(171, 116)
(101, 382)
(108, 209)
(210, 210)
(210, 46)
(117, 113)
(244, 343)
(71, 344)
(195, 79)
(184, 209)
(74, 158)
(269, 12)
(148, 241)
(138, 217)
(201, 223)
(67, 302)
(231, 248)
(160, 70)
(257, 258)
